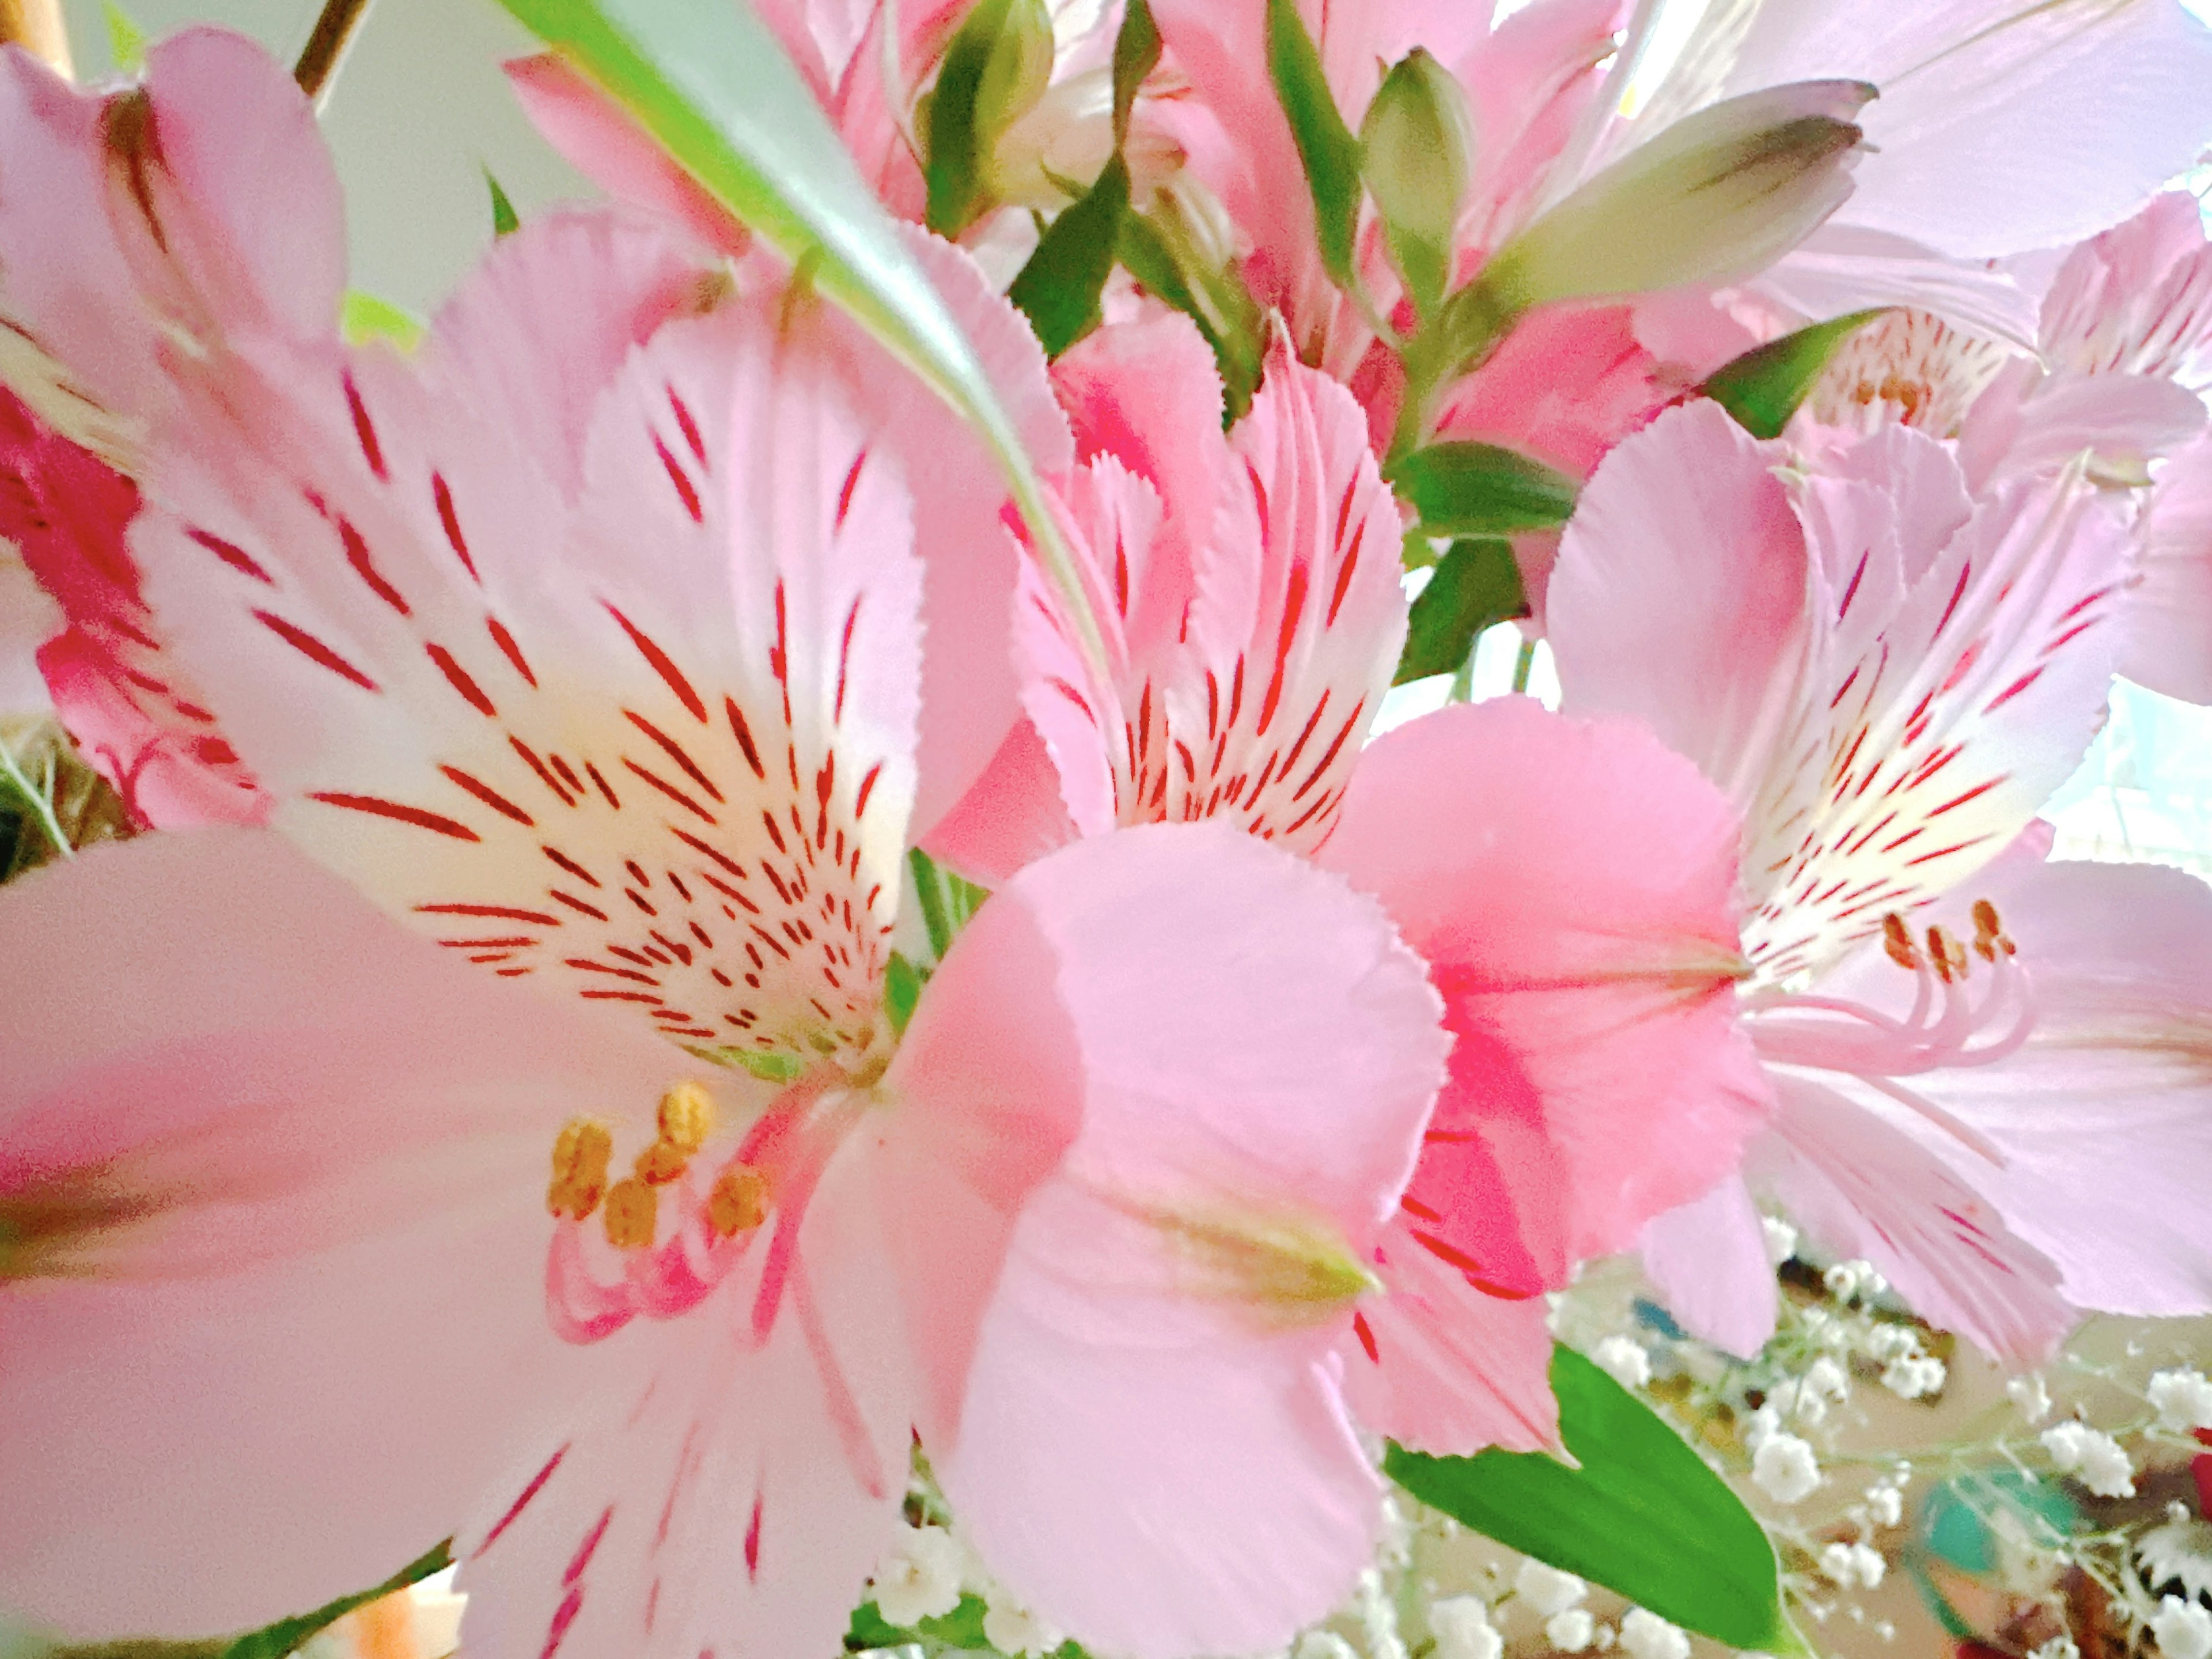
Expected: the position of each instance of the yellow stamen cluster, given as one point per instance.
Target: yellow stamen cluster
(583, 1150)
(633, 1210)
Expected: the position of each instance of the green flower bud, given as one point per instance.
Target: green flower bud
(996, 66)
(1715, 197)
(1414, 154)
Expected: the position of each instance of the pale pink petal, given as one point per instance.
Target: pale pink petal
(1843, 267)
(1447, 1368)
(2136, 300)
(2122, 423)
(542, 324)
(1153, 1399)
(2002, 125)
(599, 139)
(1708, 1259)
(1528, 83)
(273, 1308)
(28, 619)
(134, 709)
(1866, 1189)
(1680, 597)
(2168, 619)
(1584, 941)
(1012, 815)
(665, 739)
(2101, 1117)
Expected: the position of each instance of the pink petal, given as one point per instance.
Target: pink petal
(2001, 127)
(1708, 1259)
(665, 740)
(136, 712)
(27, 617)
(2124, 422)
(1012, 816)
(2136, 300)
(1528, 84)
(1585, 945)
(1445, 1368)
(1866, 1189)
(1843, 267)
(1679, 596)
(2168, 619)
(273, 1167)
(1258, 1056)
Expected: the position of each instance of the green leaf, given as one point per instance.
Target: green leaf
(287, 1637)
(1059, 287)
(1136, 54)
(1156, 249)
(954, 170)
(1461, 488)
(126, 41)
(1763, 388)
(505, 221)
(364, 317)
(712, 84)
(1643, 1515)
(1325, 144)
(902, 983)
(1477, 584)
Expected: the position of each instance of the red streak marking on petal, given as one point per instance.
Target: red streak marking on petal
(2078, 629)
(377, 807)
(844, 658)
(744, 737)
(674, 751)
(2013, 689)
(503, 912)
(458, 677)
(570, 866)
(867, 788)
(236, 557)
(1321, 803)
(2083, 604)
(313, 649)
(513, 652)
(670, 790)
(593, 773)
(1850, 593)
(1960, 801)
(845, 490)
(699, 846)
(588, 1547)
(752, 1544)
(489, 796)
(639, 900)
(1329, 757)
(358, 556)
(1449, 1253)
(1945, 851)
(515, 1511)
(663, 665)
(564, 1616)
(371, 450)
(684, 488)
(729, 892)
(1966, 571)
(646, 997)
(530, 757)
(587, 963)
(451, 522)
(687, 425)
(779, 658)
(1294, 603)
(1366, 1336)
(576, 904)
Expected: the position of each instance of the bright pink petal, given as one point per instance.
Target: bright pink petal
(1585, 945)
(1445, 1368)
(1867, 1189)
(2168, 619)
(1679, 598)
(1258, 1053)
(2000, 126)
(663, 741)
(272, 1169)
(136, 712)
(1708, 1259)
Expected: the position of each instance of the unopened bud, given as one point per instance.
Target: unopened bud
(1413, 152)
(1017, 70)
(1718, 196)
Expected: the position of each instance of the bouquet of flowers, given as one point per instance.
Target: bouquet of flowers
(813, 929)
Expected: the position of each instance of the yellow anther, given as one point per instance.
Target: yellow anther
(660, 1163)
(687, 1118)
(1948, 956)
(739, 1202)
(1989, 933)
(633, 1210)
(580, 1168)
(1896, 939)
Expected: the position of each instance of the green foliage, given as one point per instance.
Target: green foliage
(1157, 250)
(1461, 488)
(363, 317)
(1763, 388)
(1642, 1514)
(1136, 53)
(50, 802)
(505, 221)
(1058, 287)
(902, 983)
(284, 1638)
(126, 39)
(1325, 146)
(960, 1630)
(1477, 585)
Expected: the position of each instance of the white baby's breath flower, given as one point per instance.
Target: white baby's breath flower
(1784, 1468)
(1853, 1567)
(1647, 1636)
(1824, 1377)
(1914, 1377)
(920, 1577)
(1623, 1359)
(1885, 1505)
(1015, 1630)
(2029, 1398)
(1324, 1644)
(1781, 1239)
(2100, 1462)
(1571, 1631)
(1842, 1280)
(1546, 1590)
(2183, 1400)
(1462, 1626)
(2182, 1629)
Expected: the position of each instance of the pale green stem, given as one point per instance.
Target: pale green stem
(41, 802)
(1523, 664)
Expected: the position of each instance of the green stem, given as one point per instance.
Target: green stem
(41, 803)
(928, 889)
(1523, 664)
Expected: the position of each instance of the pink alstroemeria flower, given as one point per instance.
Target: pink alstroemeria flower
(593, 653)
(1888, 675)
(1247, 586)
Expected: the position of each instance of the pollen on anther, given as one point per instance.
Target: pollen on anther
(633, 1210)
(1897, 940)
(580, 1168)
(687, 1116)
(738, 1202)
(1948, 956)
